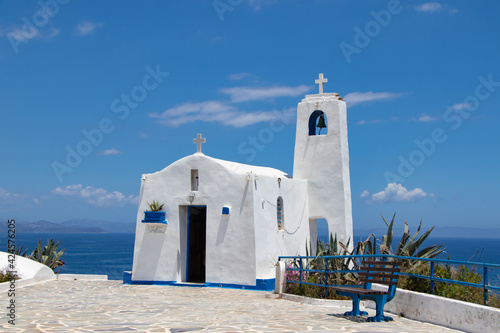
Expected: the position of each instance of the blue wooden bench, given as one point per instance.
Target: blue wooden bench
(372, 271)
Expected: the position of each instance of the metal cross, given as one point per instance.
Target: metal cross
(320, 81)
(199, 140)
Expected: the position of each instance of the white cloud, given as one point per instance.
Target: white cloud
(365, 122)
(429, 7)
(376, 121)
(424, 119)
(212, 111)
(95, 196)
(243, 94)
(30, 30)
(355, 98)
(394, 192)
(18, 33)
(460, 106)
(225, 112)
(108, 152)
(8, 197)
(245, 119)
(23, 34)
(209, 111)
(86, 28)
(238, 76)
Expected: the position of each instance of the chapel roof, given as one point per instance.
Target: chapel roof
(238, 167)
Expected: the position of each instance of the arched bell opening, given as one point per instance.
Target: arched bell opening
(318, 123)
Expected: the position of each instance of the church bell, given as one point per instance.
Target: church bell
(321, 122)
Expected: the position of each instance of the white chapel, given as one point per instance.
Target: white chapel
(225, 224)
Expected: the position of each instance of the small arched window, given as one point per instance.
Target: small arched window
(317, 123)
(279, 214)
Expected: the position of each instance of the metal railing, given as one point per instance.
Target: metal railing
(303, 267)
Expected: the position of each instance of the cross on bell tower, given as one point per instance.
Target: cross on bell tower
(199, 140)
(320, 81)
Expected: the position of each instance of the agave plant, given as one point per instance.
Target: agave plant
(49, 255)
(20, 252)
(331, 248)
(155, 206)
(409, 245)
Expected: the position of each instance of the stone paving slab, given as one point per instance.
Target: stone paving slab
(110, 306)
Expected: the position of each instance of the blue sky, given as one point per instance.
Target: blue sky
(95, 93)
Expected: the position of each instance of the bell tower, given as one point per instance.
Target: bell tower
(322, 158)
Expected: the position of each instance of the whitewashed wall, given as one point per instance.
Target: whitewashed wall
(324, 161)
(291, 239)
(241, 247)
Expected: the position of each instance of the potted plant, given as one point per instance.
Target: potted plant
(154, 214)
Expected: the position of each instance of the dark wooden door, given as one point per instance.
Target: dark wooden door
(197, 234)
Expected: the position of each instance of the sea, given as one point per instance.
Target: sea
(111, 253)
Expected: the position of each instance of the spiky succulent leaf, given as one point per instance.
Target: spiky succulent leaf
(419, 242)
(155, 206)
(431, 251)
(400, 250)
(387, 241)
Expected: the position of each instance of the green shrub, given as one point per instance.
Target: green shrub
(449, 290)
(6, 275)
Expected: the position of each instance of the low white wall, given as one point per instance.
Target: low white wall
(26, 268)
(29, 271)
(82, 277)
(443, 311)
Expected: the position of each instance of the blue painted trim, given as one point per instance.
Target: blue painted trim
(154, 217)
(188, 234)
(260, 284)
(127, 277)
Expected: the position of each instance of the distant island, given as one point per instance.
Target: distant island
(101, 226)
(71, 226)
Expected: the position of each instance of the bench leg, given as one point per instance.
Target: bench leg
(380, 303)
(355, 308)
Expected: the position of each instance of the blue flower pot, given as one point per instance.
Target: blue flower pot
(154, 217)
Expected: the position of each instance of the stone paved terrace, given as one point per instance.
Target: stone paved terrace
(110, 306)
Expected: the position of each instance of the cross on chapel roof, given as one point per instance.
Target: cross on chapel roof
(199, 140)
(320, 81)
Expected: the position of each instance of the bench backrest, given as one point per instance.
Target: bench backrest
(380, 272)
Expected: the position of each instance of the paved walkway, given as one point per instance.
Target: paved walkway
(109, 306)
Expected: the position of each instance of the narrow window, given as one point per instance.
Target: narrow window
(194, 180)
(280, 215)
